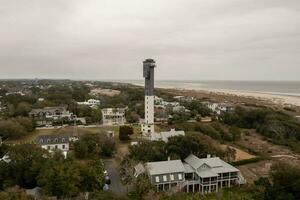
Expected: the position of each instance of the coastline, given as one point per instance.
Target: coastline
(283, 99)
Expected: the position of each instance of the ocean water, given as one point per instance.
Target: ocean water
(285, 88)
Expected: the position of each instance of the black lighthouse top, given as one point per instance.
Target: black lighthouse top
(149, 65)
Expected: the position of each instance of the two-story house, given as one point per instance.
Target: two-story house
(204, 175)
(166, 174)
(113, 116)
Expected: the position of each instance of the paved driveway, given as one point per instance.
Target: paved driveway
(116, 186)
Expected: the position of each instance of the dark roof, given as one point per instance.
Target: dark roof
(149, 60)
(52, 139)
(48, 109)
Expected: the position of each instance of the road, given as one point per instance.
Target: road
(116, 186)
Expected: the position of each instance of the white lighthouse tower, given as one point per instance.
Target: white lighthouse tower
(148, 125)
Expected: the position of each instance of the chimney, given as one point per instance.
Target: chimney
(208, 156)
(169, 158)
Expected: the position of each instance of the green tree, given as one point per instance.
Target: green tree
(22, 109)
(60, 177)
(26, 163)
(124, 132)
(92, 176)
(14, 193)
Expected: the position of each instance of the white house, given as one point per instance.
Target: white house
(204, 175)
(164, 136)
(54, 142)
(93, 103)
(113, 116)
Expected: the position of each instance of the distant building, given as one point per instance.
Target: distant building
(104, 92)
(184, 98)
(164, 136)
(113, 116)
(204, 175)
(218, 108)
(160, 114)
(41, 99)
(93, 103)
(179, 109)
(54, 142)
(51, 113)
(158, 100)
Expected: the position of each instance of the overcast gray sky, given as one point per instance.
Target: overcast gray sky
(189, 39)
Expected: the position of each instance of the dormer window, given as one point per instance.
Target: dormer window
(63, 139)
(56, 140)
(48, 141)
(41, 140)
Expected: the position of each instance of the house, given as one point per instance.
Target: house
(92, 103)
(220, 107)
(179, 109)
(166, 174)
(54, 142)
(158, 100)
(41, 99)
(51, 113)
(184, 98)
(205, 119)
(204, 175)
(113, 116)
(160, 113)
(164, 136)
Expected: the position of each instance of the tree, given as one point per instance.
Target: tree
(23, 108)
(143, 185)
(60, 177)
(26, 163)
(93, 177)
(127, 171)
(87, 147)
(14, 193)
(148, 151)
(124, 132)
(235, 132)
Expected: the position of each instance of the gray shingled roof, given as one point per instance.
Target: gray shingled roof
(216, 165)
(165, 167)
(52, 139)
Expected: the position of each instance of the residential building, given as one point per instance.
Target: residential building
(148, 73)
(93, 103)
(204, 175)
(164, 136)
(113, 116)
(184, 98)
(51, 113)
(54, 142)
(179, 109)
(158, 100)
(165, 175)
(218, 108)
(160, 114)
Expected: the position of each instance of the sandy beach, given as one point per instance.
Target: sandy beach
(276, 98)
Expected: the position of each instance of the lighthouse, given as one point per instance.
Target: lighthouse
(148, 71)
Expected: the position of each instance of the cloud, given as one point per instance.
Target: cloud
(108, 39)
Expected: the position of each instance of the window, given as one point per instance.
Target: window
(157, 179)
(55, 146)
(63, 146)
(180, 176)
(165, 178)
(172, 177)
(48, 147)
